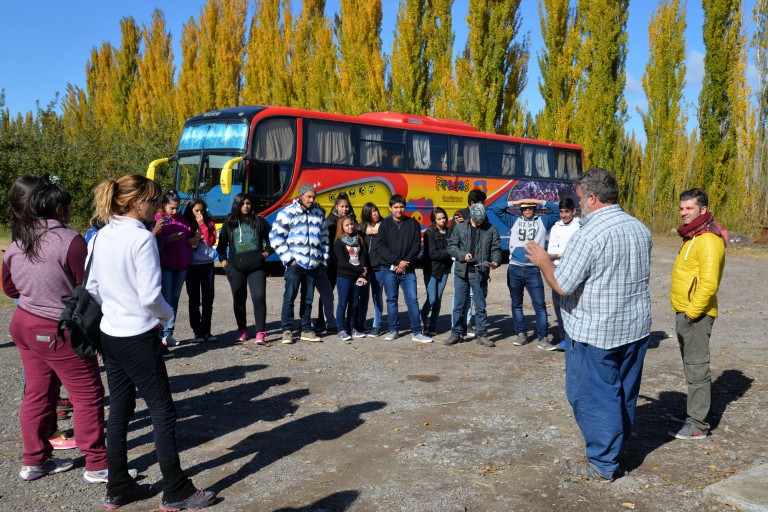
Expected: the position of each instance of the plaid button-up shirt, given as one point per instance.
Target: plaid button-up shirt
(605, 272)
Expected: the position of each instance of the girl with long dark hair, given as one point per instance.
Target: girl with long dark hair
(178, 238)
(246, 235)
(369, 230)
(125, 278)
(351, 271)
(437, 266)
(42, 265)
(200, 271)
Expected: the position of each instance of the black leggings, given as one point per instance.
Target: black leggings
(256, 281)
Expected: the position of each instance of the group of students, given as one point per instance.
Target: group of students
(42, 265)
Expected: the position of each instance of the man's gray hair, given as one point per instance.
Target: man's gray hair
(600, 182)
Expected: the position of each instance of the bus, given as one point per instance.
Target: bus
(271, 151)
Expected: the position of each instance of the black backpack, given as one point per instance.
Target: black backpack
(81, 318)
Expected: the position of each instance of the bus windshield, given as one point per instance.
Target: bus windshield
(214, 135)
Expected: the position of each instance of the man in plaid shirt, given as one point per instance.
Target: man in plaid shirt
(603, 278)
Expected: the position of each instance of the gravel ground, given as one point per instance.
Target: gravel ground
(370, 425)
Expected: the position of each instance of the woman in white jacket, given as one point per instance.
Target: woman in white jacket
(125, 279)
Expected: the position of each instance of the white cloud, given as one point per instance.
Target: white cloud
(634, 85)
(694, 69)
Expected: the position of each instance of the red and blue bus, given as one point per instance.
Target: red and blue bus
(271, 151)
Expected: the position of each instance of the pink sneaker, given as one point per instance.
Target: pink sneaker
(242, 335)
(261, 338)
(60, 441)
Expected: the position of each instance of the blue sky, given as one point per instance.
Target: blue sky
(45, 44)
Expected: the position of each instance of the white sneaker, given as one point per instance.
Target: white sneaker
(421, 338)
(101, 476)
(170, 341)
(393, 335)
(357, 334)
(49, 467)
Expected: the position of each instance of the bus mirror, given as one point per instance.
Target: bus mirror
(225, 179)
(153, 165)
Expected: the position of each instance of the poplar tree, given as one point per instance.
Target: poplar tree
(229, 53)
(99, 77)
(152, 96)
(491, 72)
(410, 73)
(314, 81)
(361, 63)
(717, 148)
(266, 69)
(440, 53)
(601, 110)
(560, 70)
(125, 72)
(663, 121)
(760, 161)
(189, 96)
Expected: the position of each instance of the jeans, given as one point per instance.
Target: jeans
(131, 363)
(200, 284)
(602, 387)
(558, 314)
(45, 362)
(392, 283)
(349, 300)
(467, 306)
(172, 281)
(373, 290)
(529, 278)
(694, 347)
(240, 283)
(474, 285)
(298, 277)
(431, 308)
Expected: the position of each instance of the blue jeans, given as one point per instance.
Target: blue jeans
(349, 300)
(298, 277)
(172, 282)
(558, 314)
(473, 287)
(431, 308)
(467, 306)
(373, 290)
(521, 278)
(602, 388)
(392, 283)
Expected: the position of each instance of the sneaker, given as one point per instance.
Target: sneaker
(521, 340)
(471, 333)
(452, 340)
(60, 441)
(261, 338)
(200, 499)
(310, 336)
(199, 338)
(482, 340)
(242, 335)
(210, 337)
(167, 354)
(62, 415)
(421, 338)
(132, 494)
(544, 343)
(357, 334)
(49, 467)
(63, 404)
(682, 419)
(375, 332)
(688, 431)
(391, 336)
(287, 338)
(101, 476)
(431, 333)
(560, 347)
(343, 336)
(170, 341)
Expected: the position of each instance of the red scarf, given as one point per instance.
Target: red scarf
(702, 224)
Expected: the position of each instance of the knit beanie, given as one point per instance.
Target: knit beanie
(307, 187)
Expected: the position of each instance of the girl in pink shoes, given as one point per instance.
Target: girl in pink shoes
(243, 247)
(200, 289)
(178, 240)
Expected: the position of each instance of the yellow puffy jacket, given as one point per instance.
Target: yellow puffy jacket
(696, 275)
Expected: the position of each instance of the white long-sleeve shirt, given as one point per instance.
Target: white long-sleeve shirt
(559, 236)
(125, 278)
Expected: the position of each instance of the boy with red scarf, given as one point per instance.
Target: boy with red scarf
(696, 277)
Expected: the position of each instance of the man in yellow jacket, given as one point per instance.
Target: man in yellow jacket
(696, 277)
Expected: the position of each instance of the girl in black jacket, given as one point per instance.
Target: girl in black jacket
(246, 235)
(351, 272)
(437, 266)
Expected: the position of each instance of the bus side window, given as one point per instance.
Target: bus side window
(504, 159)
